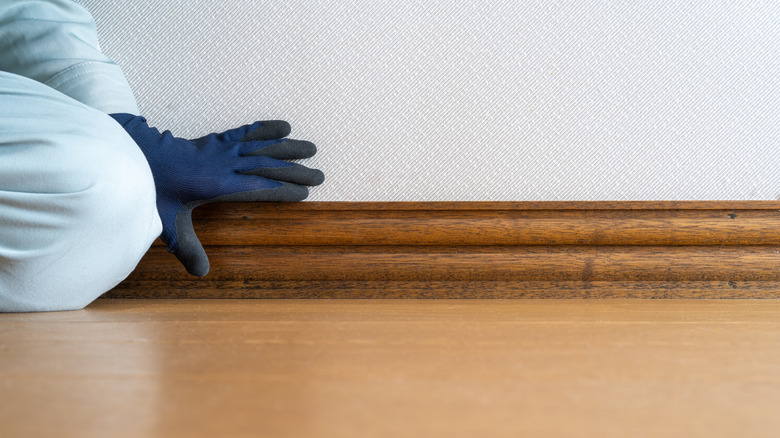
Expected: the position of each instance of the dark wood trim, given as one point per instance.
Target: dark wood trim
(476, 250)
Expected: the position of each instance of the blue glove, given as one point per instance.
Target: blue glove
(240, 165)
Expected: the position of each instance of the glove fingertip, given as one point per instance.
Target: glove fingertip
(306, 149)
(318, 177)
(269, 130)
(197, 265)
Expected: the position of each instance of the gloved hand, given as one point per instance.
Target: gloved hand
(239, 165)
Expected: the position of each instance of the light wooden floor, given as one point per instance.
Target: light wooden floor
(395, 368)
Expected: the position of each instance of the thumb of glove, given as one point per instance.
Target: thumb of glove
(190, 251)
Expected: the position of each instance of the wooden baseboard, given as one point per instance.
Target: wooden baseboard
(476, 250)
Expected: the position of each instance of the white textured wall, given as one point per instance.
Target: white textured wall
(476, 100)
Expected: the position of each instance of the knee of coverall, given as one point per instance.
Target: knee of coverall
(109, 220)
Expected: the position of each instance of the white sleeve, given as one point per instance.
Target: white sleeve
(55, 42)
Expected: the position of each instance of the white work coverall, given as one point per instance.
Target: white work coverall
(77, 199)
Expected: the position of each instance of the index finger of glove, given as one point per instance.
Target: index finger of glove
(285, 149)
(268, 130)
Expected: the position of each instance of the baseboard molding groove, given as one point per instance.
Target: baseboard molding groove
(476, 250)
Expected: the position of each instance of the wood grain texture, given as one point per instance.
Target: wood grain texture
(393, 368)
(451, 250)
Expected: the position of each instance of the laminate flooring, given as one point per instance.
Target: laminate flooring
(393, 368)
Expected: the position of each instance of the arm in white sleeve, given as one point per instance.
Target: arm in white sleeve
(55, 42)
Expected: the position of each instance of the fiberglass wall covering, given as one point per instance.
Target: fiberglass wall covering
(467, 100)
